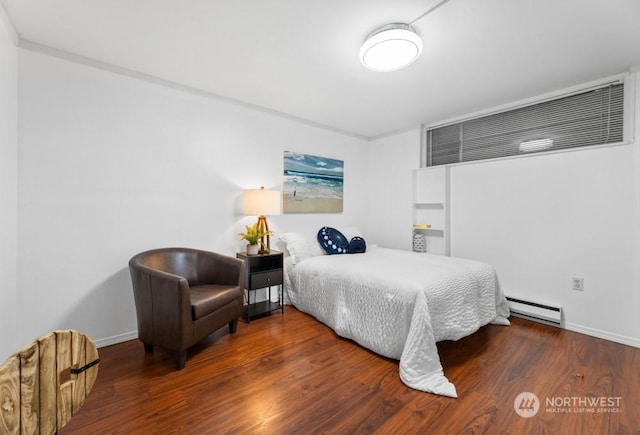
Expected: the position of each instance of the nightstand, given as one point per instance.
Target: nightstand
(262, 271)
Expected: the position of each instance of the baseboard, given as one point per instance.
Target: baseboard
(617, 338)
(121, 338)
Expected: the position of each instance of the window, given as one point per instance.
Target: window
(591, 117)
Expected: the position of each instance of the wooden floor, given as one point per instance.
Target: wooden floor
(291, 374)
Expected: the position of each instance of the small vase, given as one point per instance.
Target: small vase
(253, 249)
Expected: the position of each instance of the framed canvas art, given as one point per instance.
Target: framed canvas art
(312, 184)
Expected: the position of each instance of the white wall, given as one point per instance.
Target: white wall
(8, 190)
(545, 219)
(391, 160)
(540, 221)
(111, 165)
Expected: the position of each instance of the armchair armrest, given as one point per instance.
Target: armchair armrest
(163, 306)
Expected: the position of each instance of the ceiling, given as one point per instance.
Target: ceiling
(300, 57)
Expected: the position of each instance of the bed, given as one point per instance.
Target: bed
(396, 303)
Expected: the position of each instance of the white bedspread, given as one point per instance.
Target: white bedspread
(399, 304)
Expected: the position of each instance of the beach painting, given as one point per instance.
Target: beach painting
(312, 184)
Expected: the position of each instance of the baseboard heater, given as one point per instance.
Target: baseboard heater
(535, 311)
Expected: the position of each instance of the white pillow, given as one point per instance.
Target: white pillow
(301, 247)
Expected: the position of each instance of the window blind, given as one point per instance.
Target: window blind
(593, 117)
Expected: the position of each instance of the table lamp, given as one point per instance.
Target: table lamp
(262, 202)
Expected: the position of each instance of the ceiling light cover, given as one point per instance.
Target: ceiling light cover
(390, 48)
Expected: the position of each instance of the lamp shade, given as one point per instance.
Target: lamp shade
(261, 202)
(390, 47)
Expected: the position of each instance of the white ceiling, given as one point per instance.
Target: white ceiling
(300, 57)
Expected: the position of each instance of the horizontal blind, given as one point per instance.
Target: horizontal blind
(593, 117)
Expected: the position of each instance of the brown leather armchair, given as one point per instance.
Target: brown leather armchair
(183, 295)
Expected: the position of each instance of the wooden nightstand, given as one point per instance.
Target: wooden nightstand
(263, 271)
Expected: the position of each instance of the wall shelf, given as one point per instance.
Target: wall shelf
(430, 230)
(428, 205)
(431, 206)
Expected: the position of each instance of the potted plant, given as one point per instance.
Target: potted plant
(253, 236)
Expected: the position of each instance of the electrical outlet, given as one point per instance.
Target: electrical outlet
(578, 284)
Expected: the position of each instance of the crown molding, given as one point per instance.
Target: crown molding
(8, 24)
(94, 63)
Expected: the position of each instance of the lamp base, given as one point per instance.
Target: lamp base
(263, 227)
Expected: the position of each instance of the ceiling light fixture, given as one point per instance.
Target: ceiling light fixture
(393, 46)
(390, 47)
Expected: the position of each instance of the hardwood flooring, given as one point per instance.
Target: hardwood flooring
(290, 374)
